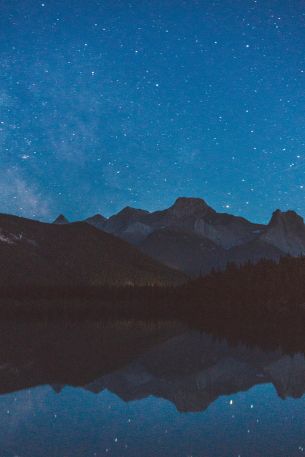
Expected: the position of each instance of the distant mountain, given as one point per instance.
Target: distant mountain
(189, 236)
(129, 224)
(97, 221)
(61, 219)
(254, 251)
(286, 231)
(188, 215)
(193, 237)
(198, 255)
(35, 253)
(184, 251)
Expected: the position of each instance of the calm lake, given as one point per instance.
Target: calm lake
(145, 389)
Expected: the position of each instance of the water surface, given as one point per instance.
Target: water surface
(140, 389)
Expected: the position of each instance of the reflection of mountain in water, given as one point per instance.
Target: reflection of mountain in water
(192, 370)
(135, 360)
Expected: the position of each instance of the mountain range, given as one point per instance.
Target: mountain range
(193, 237)
(33, 253)
(138, 247)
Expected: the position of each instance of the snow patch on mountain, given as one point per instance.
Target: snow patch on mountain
(6, 239)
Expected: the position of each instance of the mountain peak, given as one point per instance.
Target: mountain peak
(61, 219)
(129, 211)
(286, 217)
(97, 216)
(98, 221)
(187, 206)
(286, 231)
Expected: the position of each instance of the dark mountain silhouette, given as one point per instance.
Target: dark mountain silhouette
(185, 251)
(197, 255)
(61, 219)
(128, 224)
(193, 237)
(97, 221)
(189, 236)
(253, 251)
(35, 253)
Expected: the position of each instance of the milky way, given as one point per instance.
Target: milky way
(111, 103)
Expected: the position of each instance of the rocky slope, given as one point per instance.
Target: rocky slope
(286, 231)
(188, 215)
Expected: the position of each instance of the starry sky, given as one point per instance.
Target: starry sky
(105, 104)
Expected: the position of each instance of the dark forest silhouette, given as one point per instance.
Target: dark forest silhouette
(266, 290)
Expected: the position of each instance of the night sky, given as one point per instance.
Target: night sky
(105, 104)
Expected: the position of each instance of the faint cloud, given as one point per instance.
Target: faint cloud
(19, 196)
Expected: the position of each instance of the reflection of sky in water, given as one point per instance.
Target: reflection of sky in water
(77, 423)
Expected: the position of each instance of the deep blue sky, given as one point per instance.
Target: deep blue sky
(111, 103)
